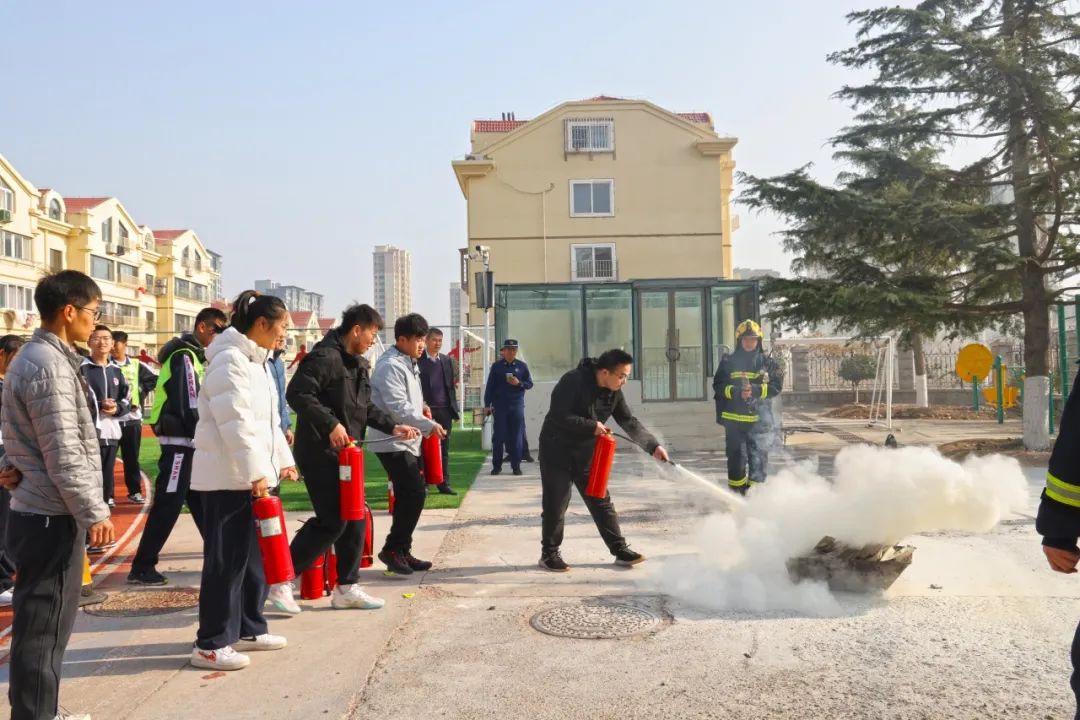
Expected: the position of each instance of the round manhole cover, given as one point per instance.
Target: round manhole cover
(135, 603)
(595, 622)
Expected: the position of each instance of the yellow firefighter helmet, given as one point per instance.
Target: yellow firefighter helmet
(748, 328)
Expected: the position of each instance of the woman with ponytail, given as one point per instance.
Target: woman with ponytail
(240, 453)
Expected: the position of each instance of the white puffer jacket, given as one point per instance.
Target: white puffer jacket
(238, 439)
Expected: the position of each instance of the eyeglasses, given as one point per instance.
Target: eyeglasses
(95, 312)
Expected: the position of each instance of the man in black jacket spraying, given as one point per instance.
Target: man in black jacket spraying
(331, 394)
(173, 417)
(581, 403)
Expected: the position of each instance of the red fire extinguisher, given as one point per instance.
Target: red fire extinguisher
(313, 580)
(431, 451)
(273, 541)
(600, 470)
(367, 557)
(331, 570)
(389, 496)
(351, 477)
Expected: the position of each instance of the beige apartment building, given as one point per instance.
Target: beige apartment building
(153, 282)
(392, 269)
(607, 223)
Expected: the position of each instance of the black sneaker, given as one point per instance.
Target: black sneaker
(445, 489)
(553, 561)
(137, 499)
(395, 562)
(416, 564)
(146, 577)
(496, 471)
(528, 459)
(627, 557)
(518, 471)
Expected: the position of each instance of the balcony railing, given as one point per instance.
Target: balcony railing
(119, 321)
(128, 281)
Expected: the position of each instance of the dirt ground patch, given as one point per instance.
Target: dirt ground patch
(1013, 447)
(857, 411)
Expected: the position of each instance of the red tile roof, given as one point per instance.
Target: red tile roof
(696, 117)
(497, 126)
(78, 204)
(167, 234)
(300, 318)
(43, 190)
(326, 324)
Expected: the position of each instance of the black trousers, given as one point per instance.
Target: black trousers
(108, 470)
(130, 444)
(233, 587)
(48, 552)
(443, 416)
(170, 494)
(403, 469)
(327, 528)
(560, 472)
(7, 562)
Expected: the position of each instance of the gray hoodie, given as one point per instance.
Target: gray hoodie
(395, 389)
(49, 433)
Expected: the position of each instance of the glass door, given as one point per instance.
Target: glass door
(672, 345)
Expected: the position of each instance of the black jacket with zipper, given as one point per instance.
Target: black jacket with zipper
(577, 404)
(331, 386)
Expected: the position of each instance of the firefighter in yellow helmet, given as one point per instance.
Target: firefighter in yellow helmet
(743, 386)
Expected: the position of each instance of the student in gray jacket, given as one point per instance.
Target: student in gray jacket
(50, 438)
(395, 389)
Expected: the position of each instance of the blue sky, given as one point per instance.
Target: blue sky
(293, 137)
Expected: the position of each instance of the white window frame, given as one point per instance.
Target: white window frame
(112, 268)
(589, 126)
(17, 297)
(575, 277)
(7, 198)
(24, 243)
(591, 182)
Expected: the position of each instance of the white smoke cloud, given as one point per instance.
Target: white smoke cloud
(878, 495)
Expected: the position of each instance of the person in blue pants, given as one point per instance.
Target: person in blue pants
(504, 396)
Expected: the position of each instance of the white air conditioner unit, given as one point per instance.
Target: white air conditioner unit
(110, 249)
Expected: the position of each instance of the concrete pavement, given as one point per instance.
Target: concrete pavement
(977, 627)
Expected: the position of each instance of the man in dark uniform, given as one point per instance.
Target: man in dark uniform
(505, 397)
(437, 384)
(744, 383)
(1058, 520)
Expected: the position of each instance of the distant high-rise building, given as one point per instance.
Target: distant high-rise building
(297, 299)
(459, 306)
(393, 292)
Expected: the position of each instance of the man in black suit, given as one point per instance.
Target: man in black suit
(437, 383)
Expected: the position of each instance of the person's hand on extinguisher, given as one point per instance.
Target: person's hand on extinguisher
(406, 431)
(289, 473)
(260, 488)
(439, 431)
(601, 429)
(661, 454)
(339, 437)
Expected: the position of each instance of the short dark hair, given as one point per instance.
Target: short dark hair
(412, 325)
(11, 343)
(363, 315)
(119, 336)
(613, 358)
(209, 315)
(251, 305)
(434, 331)
(68, 287)
(102, 328)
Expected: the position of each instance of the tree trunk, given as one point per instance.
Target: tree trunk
(856, 387)
(922, 396)
(1032, 280)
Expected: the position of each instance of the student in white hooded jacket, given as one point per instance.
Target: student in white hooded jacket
(240, 453)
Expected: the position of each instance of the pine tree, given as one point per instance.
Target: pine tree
(997, 80)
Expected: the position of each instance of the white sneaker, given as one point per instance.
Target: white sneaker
(352, 596)
(224, 659)
(266, 641)
(65, 715)
(281, 597)
(7, 597)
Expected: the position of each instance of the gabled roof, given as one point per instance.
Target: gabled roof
(497, 126)
(78, 204)
(167, 234)
(327, 324)
(300, 318)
